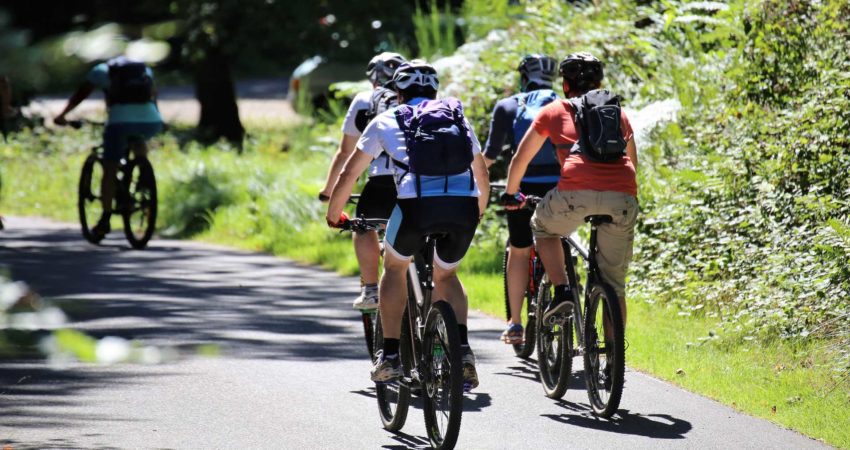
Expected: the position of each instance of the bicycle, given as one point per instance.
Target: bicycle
(135, 195)
(535, 274)
(368, 316)
(430, 356)
(603, 353)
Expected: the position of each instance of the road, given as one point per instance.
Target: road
(292, 373)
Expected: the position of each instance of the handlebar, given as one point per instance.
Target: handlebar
(361, 224)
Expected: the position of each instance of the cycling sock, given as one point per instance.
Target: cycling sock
(464, 338)
(563, 293)
(391, 348)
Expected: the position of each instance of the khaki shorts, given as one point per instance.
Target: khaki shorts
(562, 212)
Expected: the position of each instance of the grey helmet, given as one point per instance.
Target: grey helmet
(538, 69)
(382, 67)
(581, 70)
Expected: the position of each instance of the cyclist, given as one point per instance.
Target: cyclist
(378, 196)
(132, 119)
(586, 187)
(511, 118)
(451, 205)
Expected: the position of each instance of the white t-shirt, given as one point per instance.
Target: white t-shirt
(383, 135)
(361, 101)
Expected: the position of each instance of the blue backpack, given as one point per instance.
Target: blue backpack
(545, 162)
(437, 140)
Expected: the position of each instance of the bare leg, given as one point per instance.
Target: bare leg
(393, 295)
(552, 255)
(447, 286)
(107, 186)
(368, 252)
(517, 280)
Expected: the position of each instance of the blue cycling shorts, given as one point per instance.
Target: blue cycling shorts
(118, 136)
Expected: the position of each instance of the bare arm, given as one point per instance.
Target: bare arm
(343, 152)
(489, 162)
(482, 178)
(631, 152)
(354, 166)
(531, 143)
(77, 97)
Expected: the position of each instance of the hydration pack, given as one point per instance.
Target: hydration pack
(437, 140)
(382, 99)
(129, 82)
(598, 123)
(545, 162)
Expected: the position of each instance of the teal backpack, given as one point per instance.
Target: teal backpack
(545, 162)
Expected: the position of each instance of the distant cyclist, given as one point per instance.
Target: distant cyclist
(592, 182)
(449, 202)
(512, 117)
(379, 195)
(132, 119)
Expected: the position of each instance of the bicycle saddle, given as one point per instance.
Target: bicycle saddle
(598, 219)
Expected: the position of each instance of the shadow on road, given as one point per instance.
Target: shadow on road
(408, 442)
(658, 426)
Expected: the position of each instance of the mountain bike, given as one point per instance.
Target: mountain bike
(135, 196)
(535, 274)
(431, 358)
(368, 316)
(594, 331)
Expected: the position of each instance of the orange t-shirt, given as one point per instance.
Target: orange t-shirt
(578, 173)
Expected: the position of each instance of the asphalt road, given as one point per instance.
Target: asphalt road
(293, 371)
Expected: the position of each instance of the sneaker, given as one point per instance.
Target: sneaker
(386, 370)
(368, 299)
(470, 375)
(102, 228)
(562, 304)
(513, 334)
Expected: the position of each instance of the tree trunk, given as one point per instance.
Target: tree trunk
(216, 92)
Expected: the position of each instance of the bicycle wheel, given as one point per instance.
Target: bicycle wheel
(393, 398)
(139, 210)
(554, 347)
(443, 376)
(88, 197)
(604, 357)
(369, 318)
(526, 348)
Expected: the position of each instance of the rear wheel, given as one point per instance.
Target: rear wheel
(140, 205)
(443, 376)
(89, 206)
(393, 398)
(554, 347)
(526, 348)
(605, 352)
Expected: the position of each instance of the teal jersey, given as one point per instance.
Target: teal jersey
(128, 112)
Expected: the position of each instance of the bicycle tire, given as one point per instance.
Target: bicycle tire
(86, 199)
(554, 347)
(141, 197)
(369, 318)
(604, 400)
(526, 348)
(394, 398)
(441, 325)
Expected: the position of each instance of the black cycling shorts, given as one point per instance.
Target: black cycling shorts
(519, 221)
(378, 198)
(454, 219)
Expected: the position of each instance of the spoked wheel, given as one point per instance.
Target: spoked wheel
(88, 197)
(369, 318)
(605, 353)
(526, 348)
(554, 347)
(443, 376)
(139, 208)
(393, 398)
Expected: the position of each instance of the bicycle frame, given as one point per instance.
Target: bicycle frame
(419, 305)
(588, 255)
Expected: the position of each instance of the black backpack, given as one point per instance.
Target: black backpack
(382, 100)
(129, 82)
(598, 126)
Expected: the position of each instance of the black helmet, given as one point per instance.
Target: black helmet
(415, 72)
(582, 70)
(538, 69)
(382, 66)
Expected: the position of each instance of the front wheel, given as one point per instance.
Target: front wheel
(605, 352)
(89, 204)
(393, 398)
(140, 202)
(443, 376)
(554, 346)
(369, 319)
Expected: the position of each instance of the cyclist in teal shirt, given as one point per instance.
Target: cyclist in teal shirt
(132, 119)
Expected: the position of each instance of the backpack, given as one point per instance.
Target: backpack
(545, 162)
(382, 100)
(129, 82)
(598, 121)
(437, 140)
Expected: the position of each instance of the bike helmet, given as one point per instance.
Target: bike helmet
(538, 69)
(381, 68)
(582, 70)
(416, 72)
